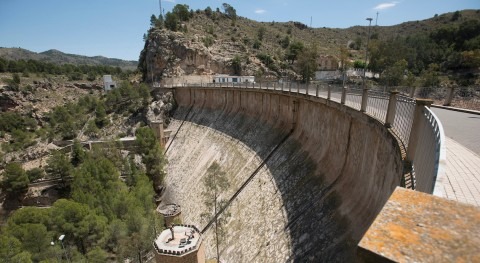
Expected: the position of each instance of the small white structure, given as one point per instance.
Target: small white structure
(328, 75)
(108, 83)
(233, 79)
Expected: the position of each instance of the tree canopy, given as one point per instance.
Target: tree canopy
(15, 178)
(104, 216)
(229, 11)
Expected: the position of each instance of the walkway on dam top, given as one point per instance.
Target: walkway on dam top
(462, 180)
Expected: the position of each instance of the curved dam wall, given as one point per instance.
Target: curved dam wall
(321, 172)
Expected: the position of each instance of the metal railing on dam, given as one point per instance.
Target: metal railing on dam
(417, 129)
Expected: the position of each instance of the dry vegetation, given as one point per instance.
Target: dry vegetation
(244, 31)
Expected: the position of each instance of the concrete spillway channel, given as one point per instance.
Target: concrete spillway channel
(307, 176)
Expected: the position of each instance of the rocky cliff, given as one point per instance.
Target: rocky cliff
(169, 54)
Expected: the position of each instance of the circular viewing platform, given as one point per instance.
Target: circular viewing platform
(178, 240)
(169, 210)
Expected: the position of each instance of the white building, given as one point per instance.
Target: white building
(233, 79)
(108, 83)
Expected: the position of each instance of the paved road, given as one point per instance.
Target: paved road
(461, 127)
(462, 173)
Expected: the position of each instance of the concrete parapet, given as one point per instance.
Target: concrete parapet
(417, 227)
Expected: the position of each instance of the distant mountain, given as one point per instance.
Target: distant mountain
(58, 57)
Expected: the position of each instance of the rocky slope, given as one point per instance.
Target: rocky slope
(207, 44)
(36, 97)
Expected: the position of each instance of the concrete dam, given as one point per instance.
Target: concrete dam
(307, 175)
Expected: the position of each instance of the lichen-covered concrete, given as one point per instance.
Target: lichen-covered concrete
(318, 192)
(417, 227)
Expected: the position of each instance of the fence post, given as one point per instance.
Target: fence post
(416, 127)
(392, 106)
(298, 89)
(316, 93)
(412, 91)
(449, 98)
(290, 87)
(363, 107)
(344, 95)
(329, 92)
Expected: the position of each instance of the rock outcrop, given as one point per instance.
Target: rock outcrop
(6, 102)
(170, 54)
(161, 108)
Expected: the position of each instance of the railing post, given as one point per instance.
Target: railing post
(363, 107)
(344, 95)
(308, 86)
(449, 98)
(316, 92)
(298, 89)
(290, 87)
(392, 106)
(416, 127)
(412, 91)
(329, 92)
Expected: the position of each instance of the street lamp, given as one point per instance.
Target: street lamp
(61, 237)
(366, 53)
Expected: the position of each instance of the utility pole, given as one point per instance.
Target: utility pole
(160, 4)
(366, 54)
(376, 20)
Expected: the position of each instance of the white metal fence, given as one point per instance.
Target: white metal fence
(428, 156)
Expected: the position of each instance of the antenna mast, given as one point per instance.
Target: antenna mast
(160, 4)
(376, 20)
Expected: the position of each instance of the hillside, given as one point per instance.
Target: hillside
(207, 42)
(222, 29)
(58, 57)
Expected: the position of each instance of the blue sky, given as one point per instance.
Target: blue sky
(114, 28)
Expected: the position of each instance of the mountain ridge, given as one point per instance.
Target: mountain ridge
(58, 57)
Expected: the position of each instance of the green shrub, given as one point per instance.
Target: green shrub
(35, 174)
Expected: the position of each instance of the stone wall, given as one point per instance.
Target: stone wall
(315, 196)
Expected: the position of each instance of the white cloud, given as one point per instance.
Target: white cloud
(170, 1)
(260, 11)
(384, 6)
